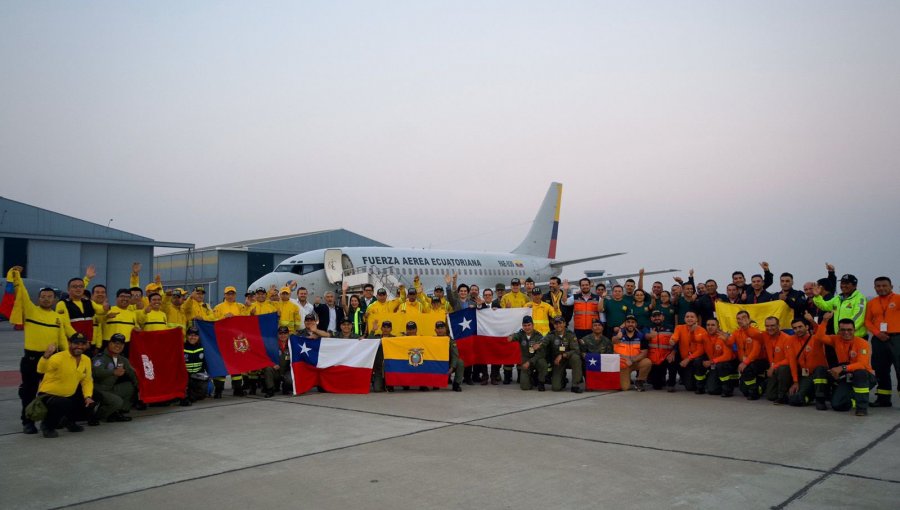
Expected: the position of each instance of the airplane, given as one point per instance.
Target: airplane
(327, 269)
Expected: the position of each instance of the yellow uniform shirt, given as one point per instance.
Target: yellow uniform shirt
(174, 314)
(153, 320)
(513, 300)
(288, 314)
(541, 313)
(413, 307)
(224, 308)
(120, 321)
(194, 310)
(42, 327)
(257, 308)
(63, 373)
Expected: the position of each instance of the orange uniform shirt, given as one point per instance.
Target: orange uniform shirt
(855, 353)
(806, 357)
(691, 345)
(778, 348)
(883, 310)
(720, 349)
(749, 344)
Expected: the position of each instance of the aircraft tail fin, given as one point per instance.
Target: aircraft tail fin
(541, 238)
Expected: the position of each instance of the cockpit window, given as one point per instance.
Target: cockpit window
(299, 268)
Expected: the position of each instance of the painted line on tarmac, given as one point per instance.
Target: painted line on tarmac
(376, 413)
(646, 447)
(864, 477)
(841, 465)
(244, 468)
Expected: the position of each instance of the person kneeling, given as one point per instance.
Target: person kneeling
(115, 382)
(63, 373)
(632, 347)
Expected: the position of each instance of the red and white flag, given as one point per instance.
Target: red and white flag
(158, 360)
(601, 372)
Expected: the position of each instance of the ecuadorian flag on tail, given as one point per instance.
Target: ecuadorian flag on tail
(416, 360)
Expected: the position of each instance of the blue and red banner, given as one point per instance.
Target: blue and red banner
(239, 344)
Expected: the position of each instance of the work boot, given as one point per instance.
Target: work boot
(140, 406)
(671, 389)
(185, 402)
(74, 427)
(237, 388)
(700, 390)
(285, 388)
(540, 387)
(456, 387)
(495, 381)
(424, 388)
(270, 393)
(485, 381)
(862, 411)
(727, 394)
(390, 389)
(576, 389)
(49, 433)
(820, 405)
(251, 387)
(29, 428)
(468, 381)
(881, 401)
(93, 422)
(218, 387)
(638, 386)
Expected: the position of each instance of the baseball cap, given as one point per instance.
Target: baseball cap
(152, 286)
(515, 281)
(118, 337)
(849, 278)
(655, 313)
(527, 320)
(285, 289)
(411, 325)
(559, 318)
(387, 323)
(200, 289)
(412, 290)
(438, 288)
(381, 291)
(630, 318)
(283, 329)
(597, 321)
(346, 320)
(193, 330)
(310, 317)
(440, 324)
(230, 288)
(499, 286)
(79, 338)
(178, 291)
(536, 290)
(259, 289)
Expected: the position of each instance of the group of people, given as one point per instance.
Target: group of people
(840, 345)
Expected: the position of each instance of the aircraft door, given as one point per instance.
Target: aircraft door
(334, 266)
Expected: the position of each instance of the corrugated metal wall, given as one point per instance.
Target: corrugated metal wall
(54, 261)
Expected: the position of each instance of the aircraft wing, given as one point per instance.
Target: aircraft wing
(561, 263)
(613, 277)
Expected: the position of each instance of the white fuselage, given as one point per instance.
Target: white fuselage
(484, 269)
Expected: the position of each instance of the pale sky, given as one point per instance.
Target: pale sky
(710, 135)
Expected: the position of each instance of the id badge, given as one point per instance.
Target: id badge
(804, 372)
(562, 348)
(883, 327)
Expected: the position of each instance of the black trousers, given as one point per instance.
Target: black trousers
(664, 374)
(61, 407)
(31, 379)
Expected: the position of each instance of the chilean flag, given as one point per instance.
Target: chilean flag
(482, 336)
(337, 365)
(601, 372)
(239, 344)
(158, 361)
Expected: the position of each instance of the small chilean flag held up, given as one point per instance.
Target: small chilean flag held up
(601, 372)
(239, 344)
(416, 360)
(336, 365)
(482, 335)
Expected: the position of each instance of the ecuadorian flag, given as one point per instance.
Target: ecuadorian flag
(416, 360)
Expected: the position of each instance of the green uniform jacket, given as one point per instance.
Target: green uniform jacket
(590, 343)
(567, 345)
(102, 370)
(454, 352)
(533, 348)
(852, 307)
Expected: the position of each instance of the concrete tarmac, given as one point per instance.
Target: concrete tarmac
(487, 447)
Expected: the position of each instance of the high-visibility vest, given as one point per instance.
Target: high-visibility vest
(585, 311)
(627, 347)
(660, 347)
